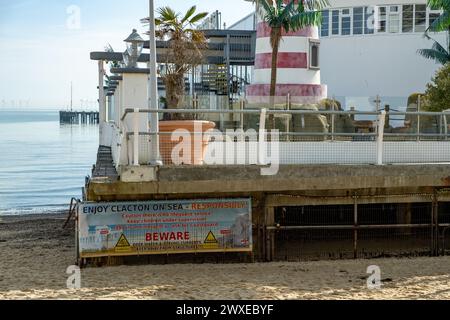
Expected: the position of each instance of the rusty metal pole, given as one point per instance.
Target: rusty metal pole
(435, 211)
(270, 239)
(432, 230)
(355, 231)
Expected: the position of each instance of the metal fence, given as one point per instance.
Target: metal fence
(303, 137)
(365, 231)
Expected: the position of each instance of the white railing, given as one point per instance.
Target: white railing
(298, 142)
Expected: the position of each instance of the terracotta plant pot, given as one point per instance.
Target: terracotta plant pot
(194, 127)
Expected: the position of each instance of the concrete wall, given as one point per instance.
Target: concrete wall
(388, 65)
(325, 180)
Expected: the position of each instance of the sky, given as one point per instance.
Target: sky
(45, 44)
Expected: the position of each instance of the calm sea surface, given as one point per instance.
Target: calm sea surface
(42, 164)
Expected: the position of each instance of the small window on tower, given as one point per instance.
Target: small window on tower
(314, 54)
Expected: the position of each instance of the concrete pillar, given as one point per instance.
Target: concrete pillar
(258, 217)
(117, 104)
(134, 95)
(269, 234)
(109, 108)
(101, 102)
(296, 77)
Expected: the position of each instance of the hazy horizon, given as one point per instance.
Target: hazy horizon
(46, 45)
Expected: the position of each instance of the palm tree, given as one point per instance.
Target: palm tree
(282, 17)
(443, 22)
(112, 64)
(184, 51)
(438, 52)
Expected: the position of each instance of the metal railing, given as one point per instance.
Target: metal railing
(303, 136)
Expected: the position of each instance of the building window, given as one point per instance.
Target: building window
(433, 16)
(369, 18)
(394, 19)
(382, 18)
(421, 18)
(358, 20)
(335, 22)
(325, 28)
(408, 18)
(346, 22)
(314, 54)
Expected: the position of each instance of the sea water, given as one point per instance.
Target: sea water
(42, 164)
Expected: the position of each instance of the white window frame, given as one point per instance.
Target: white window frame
(429, 12)
(426, 17)
(413, 19)
(347, 15)
(353, 20)
(365, 26)
(399, 16)
(378, 17)
(331, 23)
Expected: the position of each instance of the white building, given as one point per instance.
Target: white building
(369, 48)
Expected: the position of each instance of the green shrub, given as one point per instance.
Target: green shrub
(414, 98)
(328, 104)
(438, 91)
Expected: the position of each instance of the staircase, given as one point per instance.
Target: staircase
(216, 80)
(104, 168)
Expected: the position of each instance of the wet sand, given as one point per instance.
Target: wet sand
(35, 252)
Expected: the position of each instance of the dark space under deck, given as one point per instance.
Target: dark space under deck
(308, 212)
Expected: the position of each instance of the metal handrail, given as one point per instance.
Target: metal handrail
(378, 136)
(275, 112)
(349, 227)
(248, 111)
(444, 135)
(308, 134)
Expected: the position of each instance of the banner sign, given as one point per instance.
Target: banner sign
(164, 227)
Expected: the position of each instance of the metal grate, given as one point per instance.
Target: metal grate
(340, 232)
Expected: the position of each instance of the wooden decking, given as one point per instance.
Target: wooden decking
(104, 168)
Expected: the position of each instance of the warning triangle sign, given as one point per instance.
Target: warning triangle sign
(123, 244)
(211, 238)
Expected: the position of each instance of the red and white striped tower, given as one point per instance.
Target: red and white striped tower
(294, 76)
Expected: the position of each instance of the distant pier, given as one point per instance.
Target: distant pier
(78, 117)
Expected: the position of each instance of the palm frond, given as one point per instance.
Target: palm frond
(437, 56)
(287, 11)
(189, 14)
(308, 18)
(265, 4)
(198, 17)
(439, 48)
(439, 4)
(442, 23)
(316, 4)
(437, 52)
(167, 14)
(436, 45)
(109, 48)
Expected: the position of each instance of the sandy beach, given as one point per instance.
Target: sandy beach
(35, 252)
